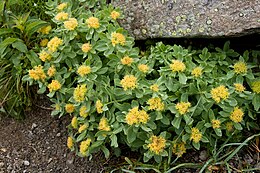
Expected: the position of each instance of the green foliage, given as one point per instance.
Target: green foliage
(158, 104)
(36, 8)
(17, 38)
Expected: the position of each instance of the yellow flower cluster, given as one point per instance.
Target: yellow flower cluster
(143, 68)
(37, 73)
(93, 22)
(86, 47)
(45, 29)
(69, 108)
(129, 82)
(62, 6)
(154, 88)
(157, 144)
(256, 87)
(54, 43)
(156, 104)
(229, 126)
(183, 107)
(84, 146)
(99, 106)
(117, 38)
(127, 60)
(219, 93)
(43, 55)
(74, 122)
(62, 16)
(114, 15)
(84, 70)
(177, 66)
(71, 24)
(79, 93)
(44, 42)
(196, 135)
(83, 111)
(51, 71)
(239, 87)
(134, 116)
(104, 125)
(179, 149)
(215, 124)
(237, 115)
(240, 67)
(54, 85)
(82, 128)
(197, 72)
(70, 142)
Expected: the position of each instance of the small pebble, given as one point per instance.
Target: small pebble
(203, 155)
(58, 134)
(26, 163)
(34, 126)
(2, 164)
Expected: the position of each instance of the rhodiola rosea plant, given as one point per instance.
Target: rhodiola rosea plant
(161, 103)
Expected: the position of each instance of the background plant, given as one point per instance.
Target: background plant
(18, 37)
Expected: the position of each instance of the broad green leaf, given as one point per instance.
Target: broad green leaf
(20, 46)
(33, 27)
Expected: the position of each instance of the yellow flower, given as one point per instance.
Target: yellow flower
(157, 144)
(134, 116)
(177, 66)
(156, 104)
(215, 124)
(44, 42)
(196, 135)
(71, 24)
(183, 107)
(74, 122)
(84, 146)
(84, 70)
(51, 71)
(69, 108)
(104, 125)
(45, 29)
(197, 72)
(237, 115)
(82, 128)
(62, 16)
(229, 126)
(70, 142)
(93, 22)
(127, 60)
(256, 87)
(86, 47)
(117, 38)
(99, 106)
(54, 43)
(43, 55)
(219, 93)
(179, 149)
(129, 82)
(114, 15)
(54, 85)
(61, 6)
(154, 88)
(143, 68)
(240, 67)
(83, 111)
(143, 117)
(239, 87)
(79, 93)
(37, 73)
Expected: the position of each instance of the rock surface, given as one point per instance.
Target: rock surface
(189, 18)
